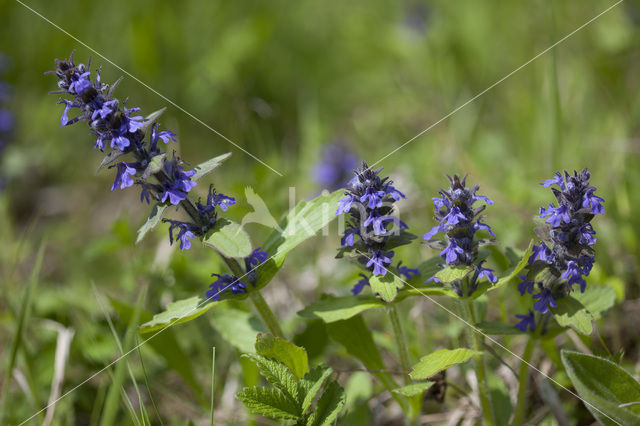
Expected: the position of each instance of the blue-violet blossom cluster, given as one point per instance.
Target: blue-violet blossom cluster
(237, 285)
(565, 256)
(335, 167)
(460, 220)
(369, 201)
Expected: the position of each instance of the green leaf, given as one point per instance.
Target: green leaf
(414, 388)
(229, 239)
(329, 405)
(164, 344)
(510, 274)
(155, 215)
(151, 118)
(597, 299)
(571, 313)
(440, 360)
(498, 328)
(356, 337)
(268, 402)
(302, 222)
(110, 158)
(155, 165)
(386, 286)
(294, 357)
(331, 309)
(177, 313)
(603, 387)
(208, 166)
(453, 273)
(237, 327)
(279, 376)
(311, 384)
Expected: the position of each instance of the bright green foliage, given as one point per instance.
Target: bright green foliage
(291, 397)
(386, 286)
(604, 388)
(331, 309)
(294, 357)
(440, 360)
(240, 328)
(578, 310)
(453, 273)
(414, 388)
(228, 238)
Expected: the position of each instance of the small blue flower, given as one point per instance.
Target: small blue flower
(348, 236)
(376, 220)
(224, 283)
(406, 271)
(255, 258)
(378, 261)
(185, 232)
(80, 83)
(433, 232)
(486, 273)
(344, 204)
(593, 201)
(545, 300)
(395, 194)
(123, 176)
(556, 180)
(540, 252)
(179, 183)
(357, 289)
(525, 286)
(556, 215)
(334, 168)
(374, 198)
(451, 252)
(527, 321)
(454, 217)
(479, 225)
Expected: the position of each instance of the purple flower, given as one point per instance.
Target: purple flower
(481, 197)
(333, 169)
(479, 225)
(185, 232)
(433, 232)
(395, 194)
(224, 283)
(255, 258)
(556, 180)
(486, 273)
(376, 220)
(406, 271)
(451, 252)
(374, 198)
(108, 108)
(556, 215)
(545, 300)
(454, 217)
(357, 289)
(540, 252)
(344, 204)
(593, 201)
(80, 83)
(525, 286)
(527, 321)
(348, 236)
(574, 275)
(378, 261)
(123, 175)
(178, 184)
(164, 135)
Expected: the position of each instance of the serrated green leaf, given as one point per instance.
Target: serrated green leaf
(279, 376)
(155, 165)
(386, 286)
(302, 222)
(281, 350)
(178, 312)
(331, 309)
(237, 327)
(440, 360)
(329, 405)
(311, 384)
(155, 215)
(571, 313)
(453, 273)
(208, 166)
(498, 328)
(414, 388)
(603, 387)
(228, 238)
(268, 402)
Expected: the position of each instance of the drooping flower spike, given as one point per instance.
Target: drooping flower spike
(459, 219)
(565, 255)
(369, 202)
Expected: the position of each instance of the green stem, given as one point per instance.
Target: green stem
(266, 313)
(523, 376)
(481, 374)
(401, 342)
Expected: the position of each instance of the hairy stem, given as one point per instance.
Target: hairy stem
(266, 313)
(481, 374)
(523, 376)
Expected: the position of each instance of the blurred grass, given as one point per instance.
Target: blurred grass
(282, 79)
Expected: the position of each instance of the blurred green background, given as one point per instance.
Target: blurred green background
(282, 80)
